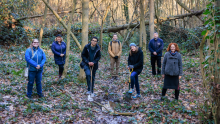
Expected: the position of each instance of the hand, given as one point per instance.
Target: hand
(91, 64)
(163, 75)
(131, 66)
(38, 67)
(128, 67)
(155, 53)
(180, 77)
(116, 57)
(61, 55)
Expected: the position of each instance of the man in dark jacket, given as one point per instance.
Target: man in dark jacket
(91, 55)
(135, 63)
(156, 47)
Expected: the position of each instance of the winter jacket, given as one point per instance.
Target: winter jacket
(172, 65)
(115, 48)
(38, 59)
(85, 56)
(58, 49)
(156, 46)
(136, 59)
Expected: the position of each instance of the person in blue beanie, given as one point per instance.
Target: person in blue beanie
(59, 50)
(135, 63)
(35, 58)
(156, 46)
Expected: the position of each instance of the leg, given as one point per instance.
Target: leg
(164, 92)
(61, 68)
(38, 83)
(31, 78)
(88, 76)
(137, 84)
(112, 65)
(117, 66)
(158, 65)
(153, 65)
(133, 76)
(177, 92)
(93, 78)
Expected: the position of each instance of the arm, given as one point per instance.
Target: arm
(43, 60)
(161, 48)
(129, 63)
(150, 48)
(95, 61)
(65, 49)
(54, 51)
(29, 60)
(140, 62)
(83, 55)
(110, 51)
(120, 50)
(180, 66)
(164, 64)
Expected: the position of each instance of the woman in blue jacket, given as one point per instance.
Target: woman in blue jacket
(59, 51)
(35, 58)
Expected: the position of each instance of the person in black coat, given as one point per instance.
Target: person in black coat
(91, 55)
(135, 63)
(59, 50)
(156, 46)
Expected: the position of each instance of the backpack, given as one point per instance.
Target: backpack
(111, 44)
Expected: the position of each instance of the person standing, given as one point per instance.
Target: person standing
(59, 51)
(135, 63)
(114, 50)
(172, 70)
(91, 55)
(156, 46)
(35, 58)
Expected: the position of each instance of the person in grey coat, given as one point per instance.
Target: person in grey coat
(172, 70)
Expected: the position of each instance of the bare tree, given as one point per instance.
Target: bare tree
(151, 22)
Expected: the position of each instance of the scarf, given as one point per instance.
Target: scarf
(173, 53)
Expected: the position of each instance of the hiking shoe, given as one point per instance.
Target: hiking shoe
(41, 96)
(116, 78)
(29, 97)
(131, 91)
(93, 95)
(137, 96)
(88, 92)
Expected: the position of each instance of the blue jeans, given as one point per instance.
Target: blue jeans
(34, 76)
(134, 81)
(88, 77)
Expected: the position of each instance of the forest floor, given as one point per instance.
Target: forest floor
(65, 100)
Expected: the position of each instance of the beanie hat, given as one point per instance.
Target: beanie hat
(58, 35)
(132, 44)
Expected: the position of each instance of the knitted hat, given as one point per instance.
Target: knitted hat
(132, 44)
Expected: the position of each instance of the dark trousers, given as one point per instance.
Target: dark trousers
(134, 81)
(88, 77)
(34, 76)
(153, 60)
(177, 92)
(61, 68)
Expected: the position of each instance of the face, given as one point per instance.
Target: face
(115, 37)
(94, 42)
(35, 43)
(155, 35)
(172, 48)
(133, 48)
(59, 39)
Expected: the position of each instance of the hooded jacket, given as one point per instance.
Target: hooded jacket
(115, 49)
(85, 56)
(38, 59)
(136, 59)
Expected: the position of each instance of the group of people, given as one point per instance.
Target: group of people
(171, 68)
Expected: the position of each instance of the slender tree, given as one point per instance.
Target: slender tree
(151, 24)
(43, 24)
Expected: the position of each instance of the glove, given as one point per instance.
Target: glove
(116, 57)
(131, 66)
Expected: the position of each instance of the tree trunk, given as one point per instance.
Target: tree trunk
(85, 27)
(151, 24)
(43, 24)
(143, 31)
(68, 39)
(63, 23)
